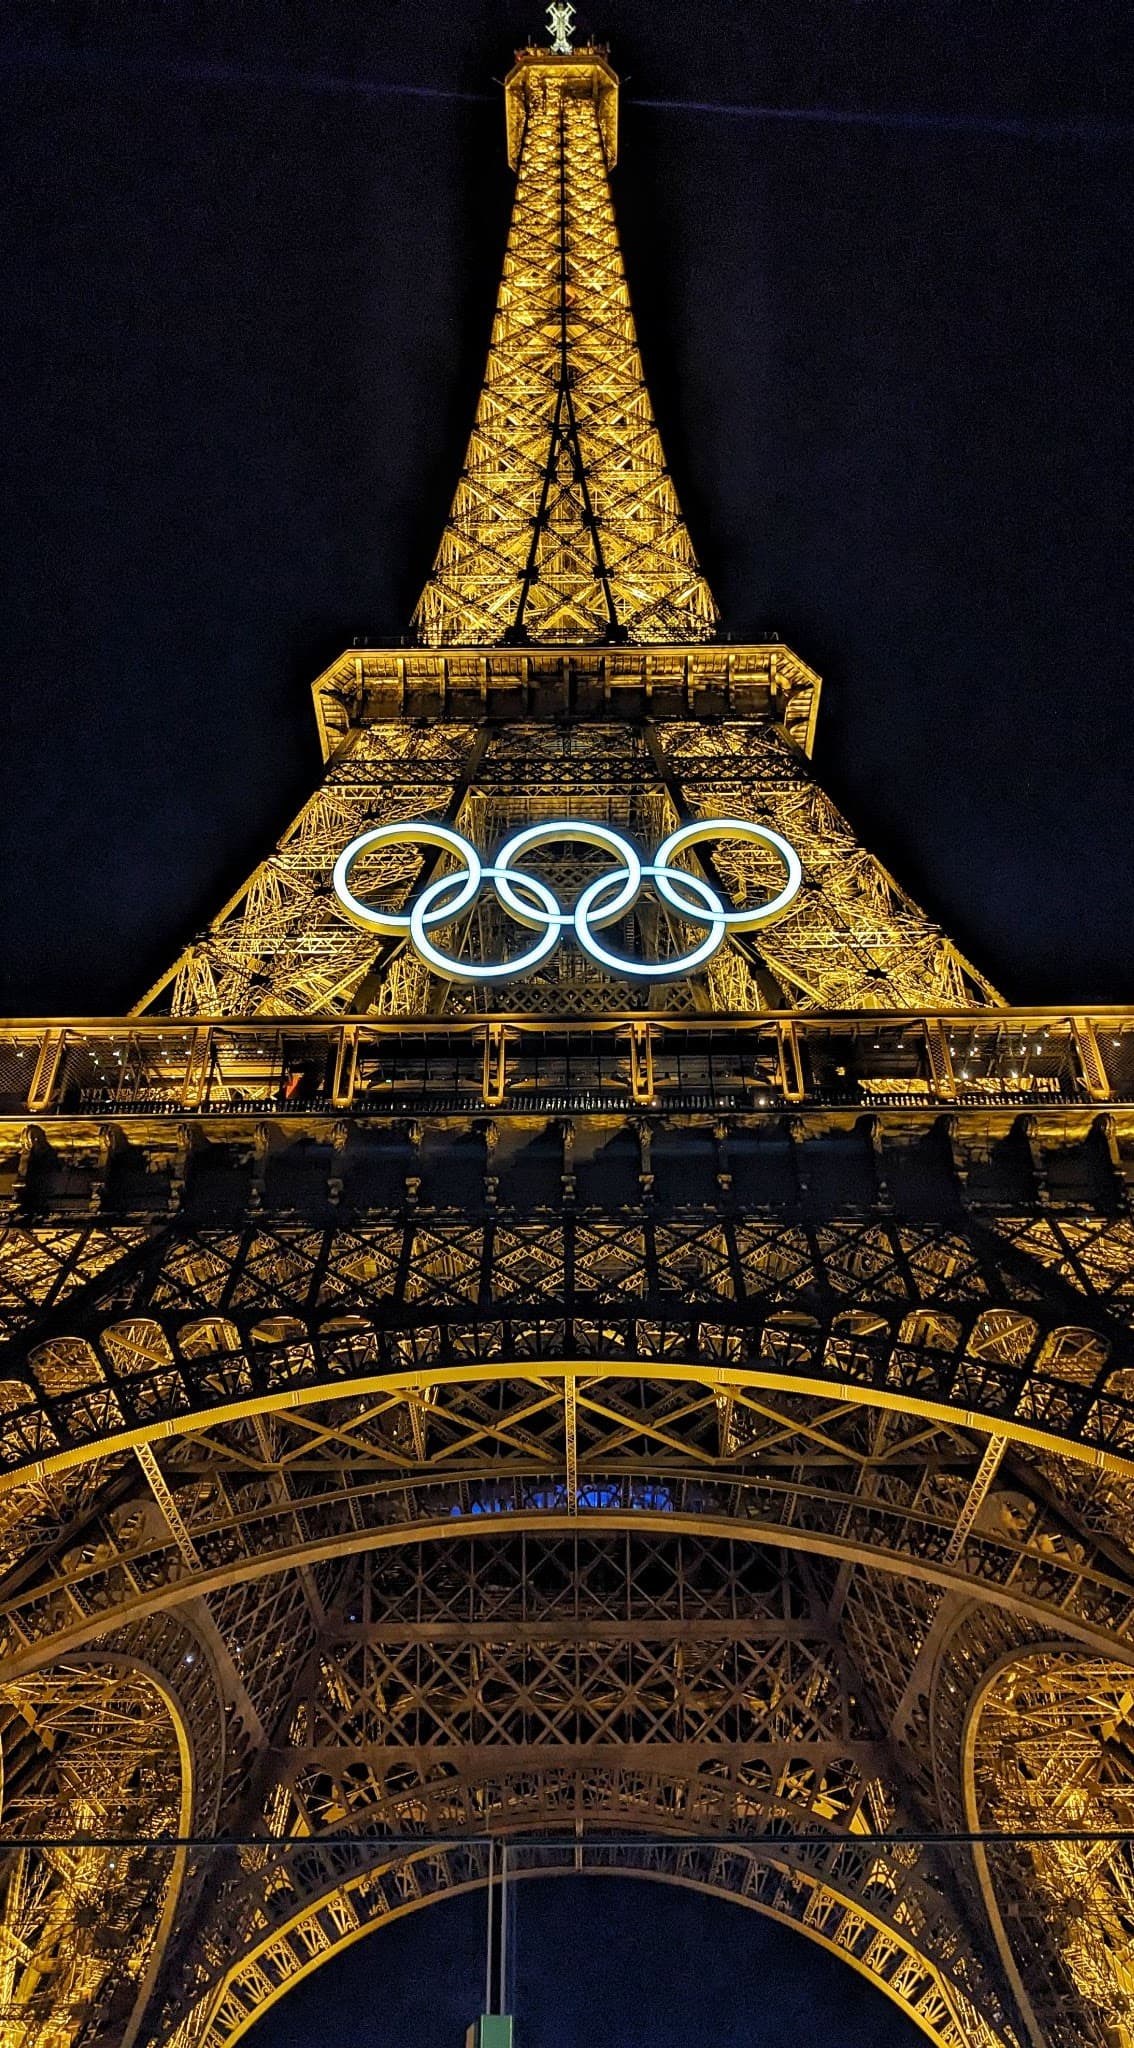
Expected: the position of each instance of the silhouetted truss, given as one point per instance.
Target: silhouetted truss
(684, 1430)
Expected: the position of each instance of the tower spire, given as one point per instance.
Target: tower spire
(565, 527)
(560, 22)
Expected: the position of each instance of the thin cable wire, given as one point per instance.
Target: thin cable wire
(488, 1934)
(1014, 127)
(414, 1844)
(503, 2005)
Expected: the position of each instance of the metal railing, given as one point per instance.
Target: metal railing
(164, 1067)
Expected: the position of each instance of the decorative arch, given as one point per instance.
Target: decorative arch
(124, 1739)
(847, 1899)
(582, 1689)
(1037, 1576)
(1049, 1743)
(644, 1410)
(76, 1406)
(89, 1743)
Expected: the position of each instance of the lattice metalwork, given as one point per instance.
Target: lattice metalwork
(84, 1751)
(223, 1321)
(123, 1743)
(852, 939)
(699, 1411)
(281, 946)
(565, 526)
(819, 1892)
(669, 1682)
(1051, 1747)
(1027, 1733)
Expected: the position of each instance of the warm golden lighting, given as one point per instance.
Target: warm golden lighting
(671, 1408)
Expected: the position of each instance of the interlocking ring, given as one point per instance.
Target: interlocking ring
(533, 905)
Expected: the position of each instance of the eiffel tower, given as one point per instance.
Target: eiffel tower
(572, 1316)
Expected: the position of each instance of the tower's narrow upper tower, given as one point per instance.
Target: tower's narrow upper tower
(561, 683)
(565, 527)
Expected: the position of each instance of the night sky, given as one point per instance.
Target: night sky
(599, 1963)
(880, 255)
(252, 254)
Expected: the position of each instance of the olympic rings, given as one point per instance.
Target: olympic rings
(533, 904)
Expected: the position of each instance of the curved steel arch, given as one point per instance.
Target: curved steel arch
(821, 1904)
(1043, 1411)
(1090, 1602)
(682, 1405)
(955, 1325)
(1091, 1887)
(96, 1712)
(977, 1647)
(681, 1687)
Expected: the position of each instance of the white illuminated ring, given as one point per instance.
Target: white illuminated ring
(583, 833)
(662, 970)
(394, 923)
(533, 904)
(727, 828)
(502, 970)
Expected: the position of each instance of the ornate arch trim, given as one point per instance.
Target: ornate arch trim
(331, 1923)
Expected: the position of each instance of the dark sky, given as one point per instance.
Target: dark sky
(599, 1963)
(252, 252)
(250, 256)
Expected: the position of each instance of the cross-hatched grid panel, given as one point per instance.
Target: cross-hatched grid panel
(281, 947)
(565, 525)
(852, 938)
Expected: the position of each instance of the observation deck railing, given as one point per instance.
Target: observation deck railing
(148, 1068)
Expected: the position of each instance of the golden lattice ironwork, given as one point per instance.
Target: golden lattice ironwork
(686, 1427)
(96, 1745)
(852, 939)
(1050, 1746)
(673, 1683)
(565, 527)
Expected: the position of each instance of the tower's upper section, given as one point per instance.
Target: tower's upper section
(565, 528)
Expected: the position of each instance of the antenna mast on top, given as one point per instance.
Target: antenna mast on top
(561, 21)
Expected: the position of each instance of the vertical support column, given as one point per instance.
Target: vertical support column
(196, 1081)
(495, 1065)
(346, 1061)
(340, 1139)
(791, 1066)
(261, 1160)
(1105, 1129)
(641, 1063)
(46, 1074)
(645, 1162)
(940, 1063)
(491, 1176)
(33, 1144)
(571, 1436)
(180, 1168)
(1091, 1062)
